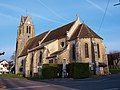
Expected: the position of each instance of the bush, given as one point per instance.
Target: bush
(74, 70)
(50, 71)
(114, 71)
(11, 76)
(79, 70)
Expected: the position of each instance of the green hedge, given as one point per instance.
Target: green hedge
(50, 71)
(74, 70)
(78, 70)
(114, 71)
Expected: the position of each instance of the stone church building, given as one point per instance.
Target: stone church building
(73, 42)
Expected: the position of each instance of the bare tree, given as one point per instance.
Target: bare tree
(114, 59)
(13, 57)
(2, 53)
(117, 3)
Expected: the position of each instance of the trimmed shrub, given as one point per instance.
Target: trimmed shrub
(50, 71)
(74, 70)
(79, 70)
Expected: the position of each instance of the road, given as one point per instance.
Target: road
(111, 82)
(17, 84)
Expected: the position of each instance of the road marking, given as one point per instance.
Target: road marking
(112, 89)
(26, 87)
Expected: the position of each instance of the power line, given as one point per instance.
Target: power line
(52, 11)
(104, 15)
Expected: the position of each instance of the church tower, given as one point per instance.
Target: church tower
(25, 32)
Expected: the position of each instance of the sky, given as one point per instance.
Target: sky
(51, 14)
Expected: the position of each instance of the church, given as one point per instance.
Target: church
(73, 42)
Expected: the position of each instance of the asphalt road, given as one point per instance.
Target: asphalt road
(17, 84)
(111, 82)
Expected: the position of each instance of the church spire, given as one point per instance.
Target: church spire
(25, 32)
(78, 18)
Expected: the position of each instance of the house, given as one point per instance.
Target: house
(11, 67)
(4, 67)
(114, 60)
(73, 42)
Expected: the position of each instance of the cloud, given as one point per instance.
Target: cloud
(18, 9)
(9, 16)
(52, 11)
(14, 8)
(97, 6)
(41, 17)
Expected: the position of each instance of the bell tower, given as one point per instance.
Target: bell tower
(25, 32)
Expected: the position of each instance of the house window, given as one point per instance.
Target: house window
(86, 51)
(50, 61)
(98, 49)
(73, 52)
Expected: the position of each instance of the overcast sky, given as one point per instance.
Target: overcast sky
(51, 14)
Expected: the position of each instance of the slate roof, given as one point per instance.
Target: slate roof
(54, 34)
(58, 52)
(33, 42)
(83, 31)
(59, 32)
(3, 60)
(23, 19)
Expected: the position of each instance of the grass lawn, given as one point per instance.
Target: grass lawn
(114, 71)
(11, 76)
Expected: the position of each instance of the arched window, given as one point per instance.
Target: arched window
(31, 65)
(29, 29)
(73, 52)
(98, 49)
(62, 44)
(19, 31)
(40, 58)
(86, 51)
